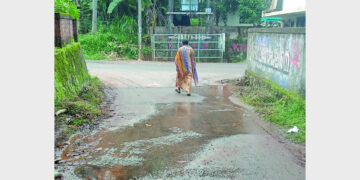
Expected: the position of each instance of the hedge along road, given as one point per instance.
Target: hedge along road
(155, 133)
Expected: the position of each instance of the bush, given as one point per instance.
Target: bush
(120, 38)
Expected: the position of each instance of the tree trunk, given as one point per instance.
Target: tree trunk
(148, 19)
(94, 17)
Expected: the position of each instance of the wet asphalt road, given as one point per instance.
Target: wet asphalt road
(154, 133)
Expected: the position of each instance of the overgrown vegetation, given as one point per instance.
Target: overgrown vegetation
(84, 106)
(80, 109)
(67, 7)
(77, 95)
(285, 109)
(235, 55)
(117, 40)
(116, 37)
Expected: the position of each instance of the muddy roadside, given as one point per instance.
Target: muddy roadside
(66, 134)
(298, 150)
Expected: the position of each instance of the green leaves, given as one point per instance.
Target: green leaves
(250, 10)
(120, 38)
(129, 3)
(112, 5)
(67, 7)
(223, 7)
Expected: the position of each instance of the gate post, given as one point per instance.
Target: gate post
(153, 46)
(198, 36)
(57, 31)
(75, 30)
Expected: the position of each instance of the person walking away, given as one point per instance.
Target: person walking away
(186, 68)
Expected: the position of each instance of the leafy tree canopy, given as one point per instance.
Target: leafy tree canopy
(67, 7)
(250, 10)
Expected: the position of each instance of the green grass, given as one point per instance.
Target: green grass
(283, 108)
(99, 46)
(77, 121)
(84, 106)
(95, 56)
(81, 109)
(238, 60)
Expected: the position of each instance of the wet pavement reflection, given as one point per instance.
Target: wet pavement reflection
(167, 140)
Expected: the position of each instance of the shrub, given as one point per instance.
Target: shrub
(120, 37)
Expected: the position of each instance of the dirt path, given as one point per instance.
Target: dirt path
(154, 133)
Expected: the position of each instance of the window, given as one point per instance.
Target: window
(189, 5)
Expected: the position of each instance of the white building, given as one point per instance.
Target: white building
(292, 12)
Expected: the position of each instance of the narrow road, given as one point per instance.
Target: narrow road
(155, 133)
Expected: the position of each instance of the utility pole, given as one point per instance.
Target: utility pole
(170, 21)
(94, 17)
(170, 16)
(207, 18)
(139, 27)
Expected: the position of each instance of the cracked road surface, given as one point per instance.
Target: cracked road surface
(155, 133)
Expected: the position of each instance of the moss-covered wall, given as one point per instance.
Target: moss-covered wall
(70, 71)
(259, 81)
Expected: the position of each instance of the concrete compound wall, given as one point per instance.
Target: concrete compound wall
(278, 54)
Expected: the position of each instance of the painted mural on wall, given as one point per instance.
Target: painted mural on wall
(279, 57)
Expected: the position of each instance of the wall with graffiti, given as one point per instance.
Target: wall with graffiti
(278, 54)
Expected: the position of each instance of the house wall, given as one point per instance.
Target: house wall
(278, 54)
(293, 4)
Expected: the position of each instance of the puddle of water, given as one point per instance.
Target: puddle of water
(167, 140)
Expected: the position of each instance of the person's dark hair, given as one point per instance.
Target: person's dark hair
(185, 42)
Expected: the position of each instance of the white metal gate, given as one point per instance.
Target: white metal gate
(207, 47)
